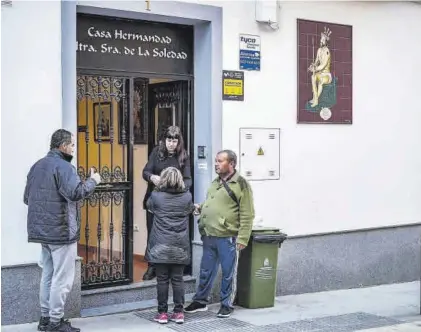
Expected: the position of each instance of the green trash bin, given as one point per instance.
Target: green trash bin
(257, 269)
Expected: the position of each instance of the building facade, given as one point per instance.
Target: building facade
(319, 100)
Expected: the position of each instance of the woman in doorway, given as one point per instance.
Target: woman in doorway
(170, 152)
(169, 247)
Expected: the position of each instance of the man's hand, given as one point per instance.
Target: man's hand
(240, 246)
(95, 176)
(196, 211)
(155, 179)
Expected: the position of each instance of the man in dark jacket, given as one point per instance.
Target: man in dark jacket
(52, 191)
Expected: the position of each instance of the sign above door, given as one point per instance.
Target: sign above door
(134, 46)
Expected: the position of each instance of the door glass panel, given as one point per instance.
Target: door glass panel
(168, 107)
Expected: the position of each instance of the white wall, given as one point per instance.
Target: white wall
(335, 177)
(30, 110)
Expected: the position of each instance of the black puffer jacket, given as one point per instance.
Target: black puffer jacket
(52, 191)
(169, 241)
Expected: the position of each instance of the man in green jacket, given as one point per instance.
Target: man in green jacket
(226, 220)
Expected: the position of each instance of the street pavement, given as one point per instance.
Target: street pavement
(386, 308)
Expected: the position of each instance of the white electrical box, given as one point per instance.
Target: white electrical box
(260, 153)
(266, 11)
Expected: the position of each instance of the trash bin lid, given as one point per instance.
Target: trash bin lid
(268, 235)
(265, 229)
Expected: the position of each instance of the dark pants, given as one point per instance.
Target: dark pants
(218, 250)
(149, 223)
(165, 273)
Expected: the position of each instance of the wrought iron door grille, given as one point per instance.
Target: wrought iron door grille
(102, 116)
(110, 267)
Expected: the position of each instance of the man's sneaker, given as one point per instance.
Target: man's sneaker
(161, 318)
(224, 312)
(62, 326)
(43, 323)
(177, 317)
(195, 307)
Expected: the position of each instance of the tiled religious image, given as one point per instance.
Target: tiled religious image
(324, 72)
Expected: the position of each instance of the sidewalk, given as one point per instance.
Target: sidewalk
(385, 308)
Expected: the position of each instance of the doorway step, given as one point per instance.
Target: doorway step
(120, 299)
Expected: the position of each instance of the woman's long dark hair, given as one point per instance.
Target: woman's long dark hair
(180, 152)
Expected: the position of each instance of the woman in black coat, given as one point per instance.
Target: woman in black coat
(169, 153)
(169, 242)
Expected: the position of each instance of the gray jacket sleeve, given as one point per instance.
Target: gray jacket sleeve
(26, 194)
(70, 185)
(27, 186)
(149, 203)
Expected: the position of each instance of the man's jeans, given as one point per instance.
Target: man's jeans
(58, 273)
(217, 250)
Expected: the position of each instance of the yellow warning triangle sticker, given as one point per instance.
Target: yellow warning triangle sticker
(260, 152)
